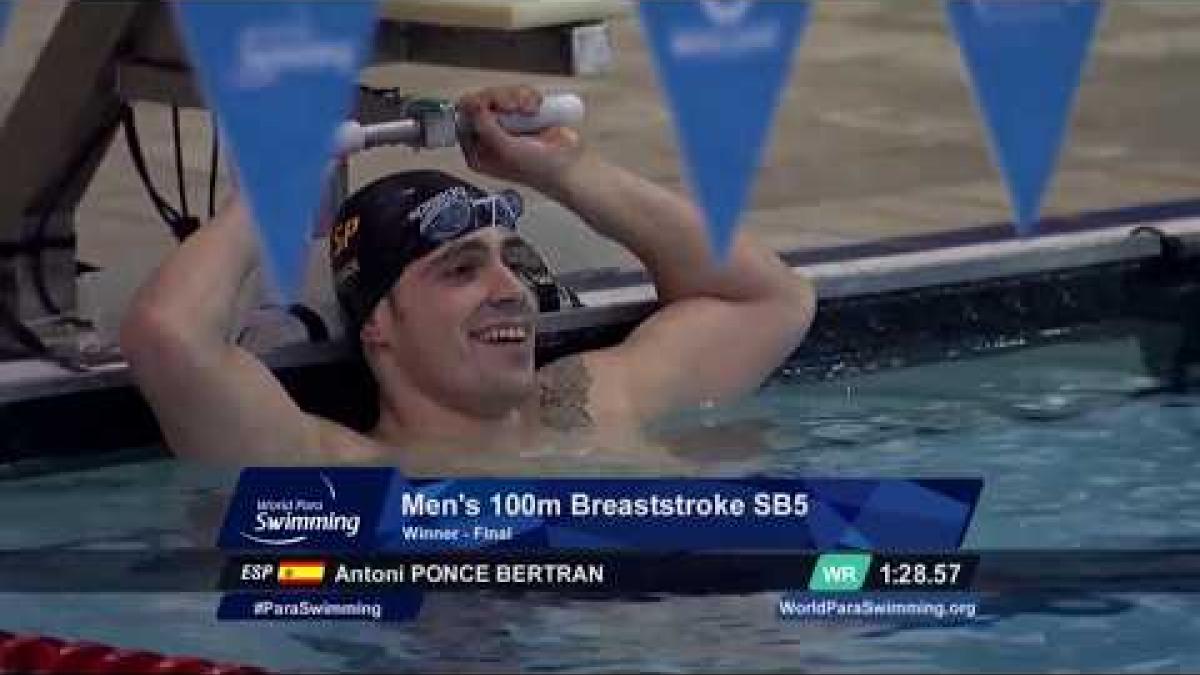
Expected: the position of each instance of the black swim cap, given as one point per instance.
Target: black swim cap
(390, 223)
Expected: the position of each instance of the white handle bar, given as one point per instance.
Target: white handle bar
(557, 110)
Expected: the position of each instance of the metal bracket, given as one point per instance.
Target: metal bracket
(437, 121)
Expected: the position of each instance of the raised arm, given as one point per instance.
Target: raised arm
(722, 327)
(213, 400)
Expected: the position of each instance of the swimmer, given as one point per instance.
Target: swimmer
(433, 276)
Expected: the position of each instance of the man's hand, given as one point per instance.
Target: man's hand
(538, 160)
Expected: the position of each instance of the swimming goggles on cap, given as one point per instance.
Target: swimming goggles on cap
(453, 213)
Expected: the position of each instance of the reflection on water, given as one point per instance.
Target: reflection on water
(1073, 452)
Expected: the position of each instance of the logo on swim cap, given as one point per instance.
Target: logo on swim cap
(343, 234)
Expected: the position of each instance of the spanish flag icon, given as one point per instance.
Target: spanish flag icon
(301, 572)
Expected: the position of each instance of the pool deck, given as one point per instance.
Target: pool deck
(876, 85)
(33, 379)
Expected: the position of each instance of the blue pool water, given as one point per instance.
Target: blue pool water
(1074, 455)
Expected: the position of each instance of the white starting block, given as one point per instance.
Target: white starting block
(506, 15)
(93, 57)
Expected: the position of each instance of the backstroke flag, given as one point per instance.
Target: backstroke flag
(280, 77)
(5, 5)
(1025, 59)
(723, 64)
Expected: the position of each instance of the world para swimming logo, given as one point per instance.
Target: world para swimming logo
(299, 517)
(726, 12)
(728, 32)
(268, 52)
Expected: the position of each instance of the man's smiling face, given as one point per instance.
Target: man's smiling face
(460, 323)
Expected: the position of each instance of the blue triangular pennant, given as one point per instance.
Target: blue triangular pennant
(280, 76)
(5, 5)
(723, 64)
(1025, 59)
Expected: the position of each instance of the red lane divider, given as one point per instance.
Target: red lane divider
(47, 656)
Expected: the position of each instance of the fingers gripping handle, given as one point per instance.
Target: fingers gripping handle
(556, 110)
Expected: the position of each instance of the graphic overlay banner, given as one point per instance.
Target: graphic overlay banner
(742, 572)
(1067, 571)
(722, 64)
(675, 515)
(378, 510)
(1025, 59)
(393, 606)
(910, 609)
(280, 78)
(312, 542)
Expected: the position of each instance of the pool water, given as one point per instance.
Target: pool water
(1074, 451)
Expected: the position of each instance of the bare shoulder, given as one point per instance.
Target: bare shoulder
(574, 396)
